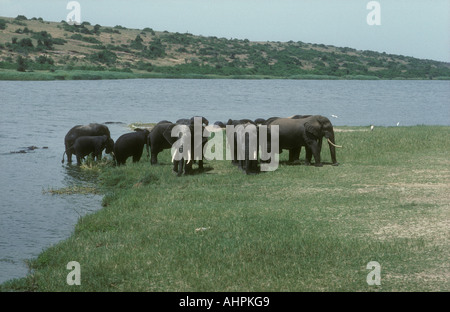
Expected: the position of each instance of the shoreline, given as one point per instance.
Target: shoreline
(13, 75)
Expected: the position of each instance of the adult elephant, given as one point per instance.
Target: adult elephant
(131, 145)
(268, 121)
(186, 121)
(299, 116)
(235, 122)
(259, 121)
(219, 124)
(309, 132)
(248, 143)
(245, 145)
(157, 140)
(160, 138)
(86, 145)
(92, 129)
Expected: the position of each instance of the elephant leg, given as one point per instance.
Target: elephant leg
(69, 157)
(235, 160)
(319, 142)
(180, 167)
(248, 167)
(68, 152)
(294, 155)
(154, 158)
(78, 160)
(253, 167)
(308, 156)
(188, 167)
(137, 156)
(241, 164)
(315, 151)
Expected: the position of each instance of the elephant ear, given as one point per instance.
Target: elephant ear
(313, 127)
(167, 134)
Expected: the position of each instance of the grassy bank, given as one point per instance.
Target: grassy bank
(87, 75)
(61, 74)
(295, 229)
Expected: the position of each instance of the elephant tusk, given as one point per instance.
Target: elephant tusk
(329, 141)
(189, 156)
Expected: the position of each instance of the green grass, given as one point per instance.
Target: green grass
(68, 75)
(62, 74)
(298, 228)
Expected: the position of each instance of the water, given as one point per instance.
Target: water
(40, 114)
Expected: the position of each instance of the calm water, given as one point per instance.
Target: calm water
(40, 114)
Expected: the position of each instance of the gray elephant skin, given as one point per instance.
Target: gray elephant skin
(131, 145)
(92, 129)
(243, 155)
(157, 141)
(86, 145)
(160, 138)
(308, 131)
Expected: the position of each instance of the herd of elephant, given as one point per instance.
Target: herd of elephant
(293, 133)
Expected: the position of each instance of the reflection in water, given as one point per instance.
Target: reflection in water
(77, 174)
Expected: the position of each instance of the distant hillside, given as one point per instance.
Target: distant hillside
(36, 47)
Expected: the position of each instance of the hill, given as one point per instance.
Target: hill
(37, 49)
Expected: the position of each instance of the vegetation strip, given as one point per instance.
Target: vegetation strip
(34, 49)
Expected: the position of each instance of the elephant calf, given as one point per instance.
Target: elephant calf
(131, 144)
(86, 145)
(92, 129)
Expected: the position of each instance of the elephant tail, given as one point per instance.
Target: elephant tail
(114, 158)
(71, 150)
(147, 147)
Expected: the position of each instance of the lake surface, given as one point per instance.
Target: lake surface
(40, 114)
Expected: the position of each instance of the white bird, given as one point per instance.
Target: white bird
(398, 123)
(371, 128)
(334, 116)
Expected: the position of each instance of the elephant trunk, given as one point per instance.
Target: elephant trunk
(62, 161)
(332, 145)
